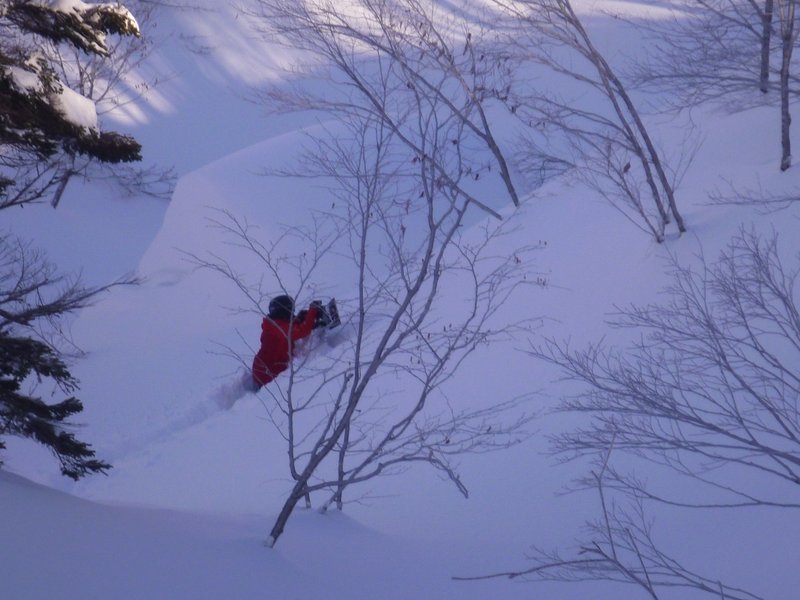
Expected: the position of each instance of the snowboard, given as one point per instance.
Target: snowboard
(331, 312)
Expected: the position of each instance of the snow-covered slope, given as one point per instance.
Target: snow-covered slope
(73, 549)
(217, 477)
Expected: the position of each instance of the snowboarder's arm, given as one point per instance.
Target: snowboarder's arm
(302, 327)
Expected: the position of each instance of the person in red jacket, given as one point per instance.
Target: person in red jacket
(280, 329)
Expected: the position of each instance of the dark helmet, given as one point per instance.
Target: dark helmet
(281, 307)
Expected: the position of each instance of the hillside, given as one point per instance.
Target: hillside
(194, 488)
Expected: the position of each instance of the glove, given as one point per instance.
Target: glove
(301, 316)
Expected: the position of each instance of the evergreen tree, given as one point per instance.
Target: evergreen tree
(40, 119)
(32, 294)
(30, 417)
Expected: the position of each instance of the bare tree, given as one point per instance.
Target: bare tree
(401, 231)
(619, 547)
(709, 51)
(709, 392)
(721, 53)
(711, 388)
(404, 50)
(400, 222)
(612, 147)
(432, 355)
(410, 150)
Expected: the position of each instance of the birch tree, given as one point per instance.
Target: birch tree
(710, 51)
(620, 547)
(612, 150)
(427, 52)
(713, 381)
(723, 52)
(402, 232)
(788, 24)
(407, 147)
(709, 392)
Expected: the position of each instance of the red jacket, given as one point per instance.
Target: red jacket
(276, 348)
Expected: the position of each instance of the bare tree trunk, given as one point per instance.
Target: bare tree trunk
(786, 117)
(788, 37)
(298, 491)
(321, 450)
(341, 468)
(766, 40)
